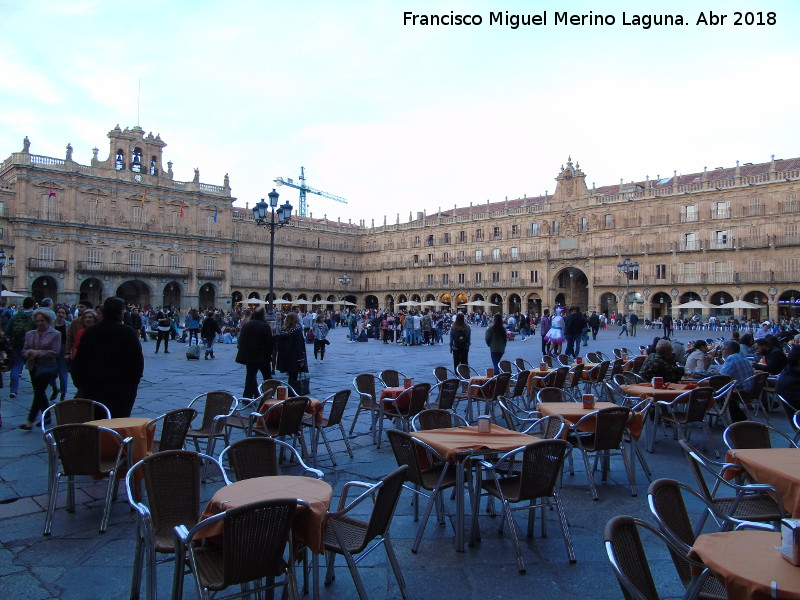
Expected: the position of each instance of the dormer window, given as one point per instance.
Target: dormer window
(119, 162)
(153, 168)
(136, 162)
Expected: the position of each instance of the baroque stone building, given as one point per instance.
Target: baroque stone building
(125, 226)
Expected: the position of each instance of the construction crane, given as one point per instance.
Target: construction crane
(306, 188)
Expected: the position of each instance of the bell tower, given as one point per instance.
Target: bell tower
(130, 150)
(570, 184)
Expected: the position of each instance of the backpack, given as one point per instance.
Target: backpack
(460, 339)
(22, 324)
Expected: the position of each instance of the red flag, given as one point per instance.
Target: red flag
(181, 209)
(52, 193)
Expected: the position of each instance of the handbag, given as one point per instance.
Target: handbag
(47, 370)
(304, 384)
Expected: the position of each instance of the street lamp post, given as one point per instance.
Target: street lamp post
(345, 280)
(260, 212)
(627, 266)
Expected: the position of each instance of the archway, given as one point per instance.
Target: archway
(460, 299)
(415, 298)
(689, 297)
(236, 297)
(92, 290)
(608, 304)
(561, 300)
(44, 287)
(172, 295)
(388, 303)
(789, 304)
(514, 303)
(371, 302)
(721, 298)
(429, 297)
(402, 298)
(660, 305)
(134, 292)
(534, 305)
(208, 296)
(287, 297)
(255, 295)
(574, 285)
(446, 299)
(496, 299)
(756, 297)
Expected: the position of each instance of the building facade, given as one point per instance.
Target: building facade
(125, 226)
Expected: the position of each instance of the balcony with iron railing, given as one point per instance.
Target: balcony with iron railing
(211, 274)
(48, 265)
(131, 269)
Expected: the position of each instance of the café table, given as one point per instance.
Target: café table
(778, 467)
(135, 428)
(314, 407)
(389, 394)
(458, 444)
(308, 526)
(747, 563)
(668, 393)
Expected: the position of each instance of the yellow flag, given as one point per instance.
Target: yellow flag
(144, 197)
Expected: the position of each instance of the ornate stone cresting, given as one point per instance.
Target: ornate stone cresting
(571, 183)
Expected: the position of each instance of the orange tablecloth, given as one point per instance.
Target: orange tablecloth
(747, 563)
(778, 467)
(134, 427)
(390, 393)
(479, 381)
(314, 407)
(668, 393)
(308, 527)
(574, 411)
(450, 442)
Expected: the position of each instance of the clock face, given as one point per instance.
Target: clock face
(138, 177)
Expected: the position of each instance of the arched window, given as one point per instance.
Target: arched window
(136, 161)
(153, 168)
(119, 162)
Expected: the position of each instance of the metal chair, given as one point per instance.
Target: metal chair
(255, 538)
(756, 384)
(722, 398)
(505, 366)
(76, 410)
(174, 426)
(753, 434)
(348, 536)
(78, 449)
(447, 398)
(240, 419)
(689, 410)
(534, 481)
(289, 424)
(334, 419)
(217, 407)
(792, 414)
(259, 457)
(391, 377)
(602, 432)
(517, 418)
(365, 387)
(465, 372)
(488, 393)
(443, 373)
(436, 418)
(167, 495)
(519, 391)
(415, 399)
(550, 394)
(596, 378)
(572, 387)
(522, 365)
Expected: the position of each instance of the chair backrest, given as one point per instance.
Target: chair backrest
(617, 352)
(610, 426)
(576, 377)
(447, 393)
(697, 404)
(390, 377)
(175, 424)
(420, 394)
(254, 540)
(668, 507)
(548, 360)
(550, 394)
(505, 366)
(436, 418)
(501, 383)
(172, 482)
(463, 371)
(540, 468)
(698, 463)
(78, 446)
(216, 403)
(385, 503)
(561, 374)
(628, 559)
(338, 406)
(292, 412)
(548, 428)
(752, 434)
(364, 383)
(638, 361)
(252, 457)
(616, 366)
(715, 381)
(520, 384)
(563, 359)
(593, 357)
(604, 367)
(78, 410)
(520, 364)
(441, 373)
(757, 384)
(271, 384)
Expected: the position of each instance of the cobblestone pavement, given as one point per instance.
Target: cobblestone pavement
(78, 563)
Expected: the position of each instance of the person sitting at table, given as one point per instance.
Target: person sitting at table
(746, 345)
(774, 358)
(699, 360)
(788, 384)
(739, 368)
(662, 363)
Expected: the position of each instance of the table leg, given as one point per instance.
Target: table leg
(460, 506)
(315, 575)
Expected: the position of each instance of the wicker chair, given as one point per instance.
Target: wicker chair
(618, 396)
(752, 434)
(630, 563)
(433, 477)
(465, 372)
(255, 537)
(365, 386)
(722, 398)
(288, 425)
(539, 382)
(756, 384)
(522, 365)
(666, 500)
(608, 436)
(391, 378)
(638, 361)
(447, 397)
(562, 360)
(218, 406)
(488, 393)
(505, 366)
(517, 418)
(539, 466)
(443, 373)
(792, 414)
(519, 391)
(572, 387)
(240, 419)
(77, 448)
(689, 410)
(550, 394)
(616, 368)
(76, 410)
(258, 457)
(348, 536)
(436, 418)
(549, 361)
(174, 426)
(594, 357)
(171, 480)
(750, 502)
(334, 419)
(416, 399)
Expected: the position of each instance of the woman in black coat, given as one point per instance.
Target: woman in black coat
(291, 349)
(255, 351)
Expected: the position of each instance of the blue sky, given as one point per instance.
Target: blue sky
(394, 118)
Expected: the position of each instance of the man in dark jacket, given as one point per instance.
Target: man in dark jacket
(574, 324)
(594, 324)
(109, 363)
(255, 351)
(774, 358)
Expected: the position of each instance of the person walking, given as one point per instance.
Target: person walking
(291, 350)
(19, 325)
(666, 322)
(209, 331)
(320, 330)
(41, 348)
(255, 351)
(574, 325)
(594, 324)
(460, 335)
(192, 326)
(624, 329)
(556, 333)
(164, 324)
(60, 325)
(634, 321)
(496, 338)
(109, 363)
(544, 327)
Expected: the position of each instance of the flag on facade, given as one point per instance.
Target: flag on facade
(52, 194)
(144, 197)
(216, 212)
(182, 205)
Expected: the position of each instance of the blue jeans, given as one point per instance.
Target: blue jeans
(496, 356)
(16, 368)
(352, 333)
